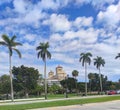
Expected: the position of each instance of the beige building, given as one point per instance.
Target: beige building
(57, 77)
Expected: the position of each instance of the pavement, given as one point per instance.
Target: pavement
(112, 105)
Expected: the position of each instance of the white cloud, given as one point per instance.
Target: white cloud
(99, 4)
(30, 37)
(110, 17)
(83, 22)
(33, 17)
(58, 23)
(48, 4)
(20, 6)
(53, 4)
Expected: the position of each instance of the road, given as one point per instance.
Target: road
(112, 105)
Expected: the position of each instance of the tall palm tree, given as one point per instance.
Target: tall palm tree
(44, 54)
(75, 74)
(11, 45)
(85, 58)
(98, 62)
(118, 56)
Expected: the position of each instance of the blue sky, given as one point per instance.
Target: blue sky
(70, 26)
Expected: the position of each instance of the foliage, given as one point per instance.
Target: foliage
(98, 62)
(75, 73)
(5, 84)
(25, 78)
(118, 56)
(94, 82)
(85, 58)
(44, 54)
(11, 45)
(54, 89)
(68, 83)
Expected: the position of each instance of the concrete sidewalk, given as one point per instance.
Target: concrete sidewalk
(112, 105)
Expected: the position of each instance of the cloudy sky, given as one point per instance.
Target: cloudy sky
(70, 26)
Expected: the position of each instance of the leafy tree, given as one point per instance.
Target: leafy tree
(39, 89)
(85, 58)
(26, 78)
(75, 74)
(54, 88)
(11, 45)
(98, 62)
(91, 77)
(5, 85)
(68, 83)
(81, 86)
(44, 54)
(95, 82)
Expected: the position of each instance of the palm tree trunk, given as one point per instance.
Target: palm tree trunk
(45, 79)
(85, 79)
(11, 82)
(100, 80)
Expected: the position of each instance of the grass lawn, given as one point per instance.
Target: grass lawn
(59, 103)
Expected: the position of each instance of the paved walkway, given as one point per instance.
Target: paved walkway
(112, 105)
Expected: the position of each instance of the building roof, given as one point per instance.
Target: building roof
(59, 66)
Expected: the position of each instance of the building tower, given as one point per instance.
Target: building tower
(60, 73)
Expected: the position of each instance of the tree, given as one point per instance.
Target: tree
(54, 88)
(26, 78)
(98, 62)
(118, 56)
(11, 45)
(75, 74)
(44, 54)
(91, 77)
(85, 58)
(5, 85)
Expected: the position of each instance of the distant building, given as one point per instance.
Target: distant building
(56, 78)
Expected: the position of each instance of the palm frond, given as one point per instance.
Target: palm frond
(17, 44)
(6, 38)
(3, 43)
(118, 56)
(13, 38)
(18, 52)
(42, 51)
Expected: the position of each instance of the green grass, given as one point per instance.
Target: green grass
(56, 96)
(59, 103)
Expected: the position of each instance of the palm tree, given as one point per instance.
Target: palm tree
(98, 62)
(11, 45)
(85, 58)
(75, 74)
(118, 56)
(44, 54)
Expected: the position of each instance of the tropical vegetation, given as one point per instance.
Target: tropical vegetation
(11, 45)
(28, 82)
(98, 62)
(85, 58)
(44, 54)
